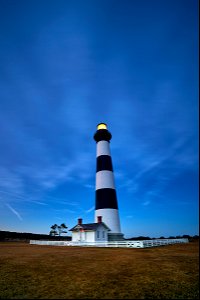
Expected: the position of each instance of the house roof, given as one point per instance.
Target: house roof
(89, 226)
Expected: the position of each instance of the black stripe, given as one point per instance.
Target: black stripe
(106, 198)
(102, 135)
(104, 162)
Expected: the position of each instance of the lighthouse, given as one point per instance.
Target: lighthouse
(106, 205)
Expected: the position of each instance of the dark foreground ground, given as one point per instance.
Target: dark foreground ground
(51, 272)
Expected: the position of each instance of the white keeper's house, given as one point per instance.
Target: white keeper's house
(91, 232)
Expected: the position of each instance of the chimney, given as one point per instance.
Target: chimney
(80, 221)
(99, 219)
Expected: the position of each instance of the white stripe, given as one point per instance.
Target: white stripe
(103, 148)
(104, 179)
(110, 217)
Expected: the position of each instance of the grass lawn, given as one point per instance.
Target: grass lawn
(53, 272)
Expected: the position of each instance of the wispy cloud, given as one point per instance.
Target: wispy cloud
(146, 203)
(64, 210)
(58, 200)
(56, 173)
(160, 160)
(89, 186)
(20, 197)
(164, 168)
(89, 210)
(37, 202)
(14, 212)
(10, 181)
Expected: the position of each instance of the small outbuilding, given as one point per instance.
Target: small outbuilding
(91, 232)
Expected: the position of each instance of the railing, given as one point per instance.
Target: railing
(124, 244)
(162, 242)
(50, 243)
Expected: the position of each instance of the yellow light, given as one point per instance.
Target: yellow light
(101, 126)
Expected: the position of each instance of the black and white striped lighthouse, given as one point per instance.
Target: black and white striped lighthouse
(106, 204)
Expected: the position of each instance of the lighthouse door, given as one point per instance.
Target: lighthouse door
(81, 235)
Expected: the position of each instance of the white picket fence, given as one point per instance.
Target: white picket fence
(123, 244)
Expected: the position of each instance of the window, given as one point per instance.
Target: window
(103, 234)
(97, 234)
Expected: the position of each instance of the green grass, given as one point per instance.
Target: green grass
(51, 272)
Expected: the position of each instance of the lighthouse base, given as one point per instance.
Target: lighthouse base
(115, 237)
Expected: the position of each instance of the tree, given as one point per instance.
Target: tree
(186, 236)
(54, 229)
(58, 229)
(61, 228)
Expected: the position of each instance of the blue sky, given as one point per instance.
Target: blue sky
(66, 66)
